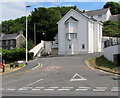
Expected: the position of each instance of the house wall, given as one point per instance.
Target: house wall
(19, 41)
(108, 15)
(47, 46)
(97, 37)
(54, 51)
(104, 17)
(90, 37)
(82, 35)
(9, 44)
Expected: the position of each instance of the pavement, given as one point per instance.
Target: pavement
(60, 76)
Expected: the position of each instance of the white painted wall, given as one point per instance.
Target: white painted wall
(38, 49)
(108, 15)
(110, 51)
(104, 17)
(47, 46)
(90, 37)
(82, 36)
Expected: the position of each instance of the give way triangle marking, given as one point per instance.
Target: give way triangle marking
(77, 77)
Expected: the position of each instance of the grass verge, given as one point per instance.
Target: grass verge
(103, 64)
(8, 69)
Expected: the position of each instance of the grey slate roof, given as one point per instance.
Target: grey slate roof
(9, 36)
(96, 12)
(83, 14)
(115, 17)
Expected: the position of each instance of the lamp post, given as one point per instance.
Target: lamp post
(44, 36)
(26, 36)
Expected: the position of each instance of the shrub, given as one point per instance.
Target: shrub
(15, 54)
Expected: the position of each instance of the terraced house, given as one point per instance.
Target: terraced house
(9, 41)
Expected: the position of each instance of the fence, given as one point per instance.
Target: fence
(111, 42)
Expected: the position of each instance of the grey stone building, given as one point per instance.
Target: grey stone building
(9, 41)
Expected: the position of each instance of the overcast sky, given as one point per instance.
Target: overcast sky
(12, 9)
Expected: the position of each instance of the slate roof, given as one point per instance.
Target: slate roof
(96, 12)
(9, 36)
(115, 17)
(83, 14)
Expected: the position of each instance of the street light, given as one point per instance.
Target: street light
(44, 36)
(26, 35)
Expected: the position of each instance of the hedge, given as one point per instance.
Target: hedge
(15, 54)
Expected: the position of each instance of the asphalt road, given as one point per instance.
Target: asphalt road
(60, 76)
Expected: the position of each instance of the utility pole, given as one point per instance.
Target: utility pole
(34, 33)
(26, 36)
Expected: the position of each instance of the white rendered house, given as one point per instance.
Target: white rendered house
(78, 34)
(100, 15)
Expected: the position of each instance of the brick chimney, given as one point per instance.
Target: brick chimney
(21, 32)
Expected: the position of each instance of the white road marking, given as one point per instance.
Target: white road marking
(35, 89)
(63, 89)
(87, 63)
(81, 89)
(2, 89)
(20, 89)
(49, 89)
(80, 78)
(84, 87)
(100, 89)
(66, 87)
(10, 89)
(27, 87)
(39, 65)
(40, 87)
(53, 87)
(115, 89)
(35, 82)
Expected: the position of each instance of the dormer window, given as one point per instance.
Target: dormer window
(99, 16)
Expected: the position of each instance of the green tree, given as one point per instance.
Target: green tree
(111, 28)
(114, 7)
(13, 26)
(30, 45)
(45, 20)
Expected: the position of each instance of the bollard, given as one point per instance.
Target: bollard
(3, 68)
(11, 65)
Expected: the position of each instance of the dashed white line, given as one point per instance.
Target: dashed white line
(2, 89)
(100, 89)
(35, 89)
(63, 89)
(27, 87)
(115, 89)
(10, 89)
(66, 87)
(81, 89)
(22, 89)
(84, 87)
(40, 87)
(53, 87)
(49, 89)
